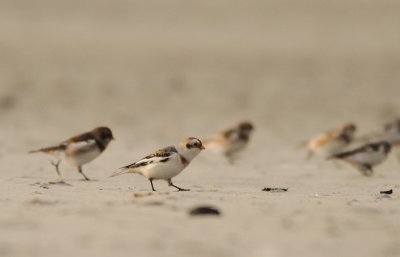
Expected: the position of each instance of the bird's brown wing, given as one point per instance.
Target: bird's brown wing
(81, 137)
(164, 152)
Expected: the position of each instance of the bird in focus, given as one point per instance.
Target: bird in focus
(165, 163)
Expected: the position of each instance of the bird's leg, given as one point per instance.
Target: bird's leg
(366, 170)
(81, 172)
(179, 189)
(56, 164)
(231, 158)
(151, 183)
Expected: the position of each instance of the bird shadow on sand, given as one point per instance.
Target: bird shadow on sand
(47, 185)
(42, 202)
(148, 194)
(88, 181)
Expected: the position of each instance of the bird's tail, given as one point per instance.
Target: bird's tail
(120, 171)
(47, 149)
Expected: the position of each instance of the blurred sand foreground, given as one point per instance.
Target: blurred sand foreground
(158, 71)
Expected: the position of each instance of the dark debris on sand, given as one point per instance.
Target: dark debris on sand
(204, 210)
(387, 192)
(275, 189)
(46, 185)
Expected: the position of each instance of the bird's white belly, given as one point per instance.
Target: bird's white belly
(165, 170)
(235, 146)
(370, 158)
(80, 155)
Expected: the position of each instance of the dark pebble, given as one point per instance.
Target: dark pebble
(275, 189)
(387, 192)
(204, 210)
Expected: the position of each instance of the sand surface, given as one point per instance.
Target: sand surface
(158, 71)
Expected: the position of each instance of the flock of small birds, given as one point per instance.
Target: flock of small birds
(163, 164)
(168, 162)
(375, 148)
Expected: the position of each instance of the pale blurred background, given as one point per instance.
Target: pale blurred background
(155, 71)
(208, 63)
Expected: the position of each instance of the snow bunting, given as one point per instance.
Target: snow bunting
(330, 142)
(165, 163)
(366, 157)
(80, 149)
(231, 141)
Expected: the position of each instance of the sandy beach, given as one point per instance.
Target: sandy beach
(158, 71)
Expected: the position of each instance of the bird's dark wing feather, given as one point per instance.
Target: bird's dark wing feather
(86, 137)
(346, 154)
(365, 148)
(81, 137)
(162, 153)
(62, 146)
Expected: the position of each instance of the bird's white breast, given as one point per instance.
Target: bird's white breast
(80, 153)
(371, 158)
(162, 170)
(235, 146)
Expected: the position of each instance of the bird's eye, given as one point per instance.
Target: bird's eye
(196, 145)
(188, 145)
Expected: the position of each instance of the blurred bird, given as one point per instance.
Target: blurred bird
(330, 142)
(231, 141)
(366, 157)
(80, 149)
(165, 163)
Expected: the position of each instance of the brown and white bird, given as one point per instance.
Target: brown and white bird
(366, 157)
(165, 163)
(231, 141)
(81, 149)
(330, 142)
